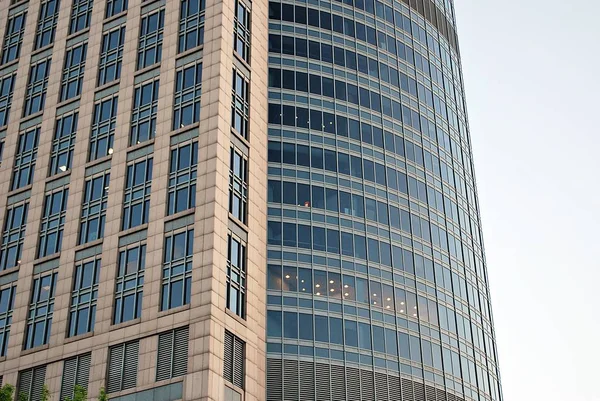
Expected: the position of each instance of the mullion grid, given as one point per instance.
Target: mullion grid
(241, 38)
(136, 201)
(82, 312)
(7, 298)
(236, 276)
(144, 112)
(41, 308)
(238, 185)
(114, 7)
(130, 282)
(35, 92)
(72, 77)
(81, 15)
(109, 65)
(240, 108)
(13, 39)
(7, 83)
(150, 41)
(191, 24)
(46, 25)
(25, 158)
(93, 208)
(182, 180)
(186, 104)
(53, 222)
(63, 143)
(13, 235)
(177, 268)
(103, 129)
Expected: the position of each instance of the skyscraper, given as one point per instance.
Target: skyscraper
(239, 200)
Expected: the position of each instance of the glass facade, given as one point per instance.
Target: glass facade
(377, 285)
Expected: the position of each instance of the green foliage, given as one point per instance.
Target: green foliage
(7, 392)
(45, 394)
(102, 396)
(79, 394)
(23, 396)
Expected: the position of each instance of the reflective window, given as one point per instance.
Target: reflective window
(130, 284)
(13, 37)
(111, 55)
(7, 83)
(13, 235)
(46, 25)
(53, 222)
(104, 123)
(182, 178)
(188, 91)
(177, 269)
(72, 78)
(241, 37)
(35, 92)
(150, 40)
(240, 104)
(41, 310)
(82, 313)
(136, 201)
(191, 24)
(238, 185)
(7, 299)
(144, 112)
(93, 209)
(114, 7)
(63, 143)
(81, 15)
(236, 276)
(25, 158)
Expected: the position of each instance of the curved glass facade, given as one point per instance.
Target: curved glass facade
(377, 285)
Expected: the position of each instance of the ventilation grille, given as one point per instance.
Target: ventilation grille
(290, 380)
(122, 366)
(394, 383)
(76, 371)
(407, 390)
(234, 359)
(172, 354)
(31, 382)
(353, 378)
(323, 382)
(381, 386)
(338, 385)
(307, 380)
(367, 385)
(274, 380)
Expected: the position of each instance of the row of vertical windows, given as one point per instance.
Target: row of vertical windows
(136, 201)
(111, 55)
(191, 24)
(81, 15)
(82, 313)
(241, 29)
(150, 40)
(37, 84)
(47, 20)
(177, 269)
(7, 84)
(188, 91)
(104, 123)
(13, 37)
(129, 288)
(7, 299)
(25, 158)
(72, 78)
(114, 7)
(13, 235)
(93, 208)
(181, 188)
(240, 104)
(63, 143)
(53, 222)
(236, 276)
(41, 310)
(238, 185)
(144, 112)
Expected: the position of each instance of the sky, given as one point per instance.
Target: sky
(532, 78)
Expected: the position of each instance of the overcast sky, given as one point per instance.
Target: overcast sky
(532, 71)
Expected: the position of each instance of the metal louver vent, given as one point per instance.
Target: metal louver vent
(172, 354)
(307, 380)
(274, 380)
(322, 382)
(419, 391)
(122, 366)
(76, 370)
(353, 379)
(338, 385)
(234, 359)
(441, 394)
(381, 387)
(430, 393)
(31, 382)
(367, 385)
(394, 384)
(290, 380)
(407, 390)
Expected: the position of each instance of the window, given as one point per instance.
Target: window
(238, 185)
(130, 284)
(7, 299)
(81, 15)
(82, 313)
(188, 89)
(240, 106)
(122, 366)
(7, 83)
(114, 7)
(136, 202)
(111, 56)
(241, 36)
(191, 24)
(46, 25)
(182, 178)
(72, 78)
(177, 269)
(15, 223)
(13, 38)
(35, 93)
(103, 128)
(234, 360)
(53, 222)
(93, 209)
(31, 381)
(236, 276)
(143, 114)
(76, 372)
(25, 158)
(172, 355)
(151, 37)
(63, 143)
(41, 308)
